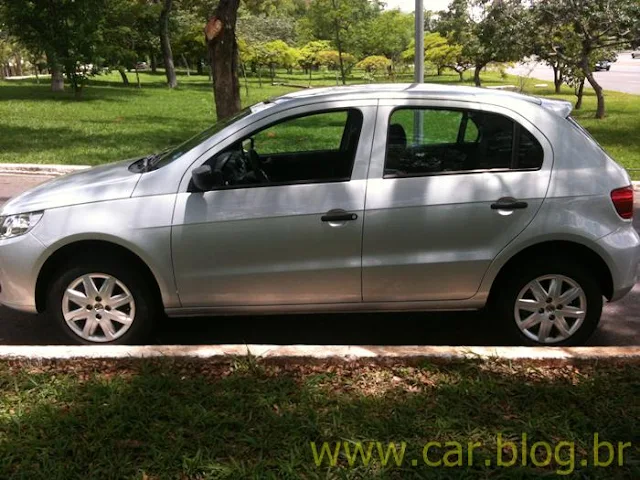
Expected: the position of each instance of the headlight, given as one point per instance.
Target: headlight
(15, 225)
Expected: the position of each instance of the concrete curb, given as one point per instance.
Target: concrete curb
(310, 353)
(39, 169)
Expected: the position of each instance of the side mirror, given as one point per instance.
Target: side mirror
(203, 178)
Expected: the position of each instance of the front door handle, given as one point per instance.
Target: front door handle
(509, 203)
(339, 217)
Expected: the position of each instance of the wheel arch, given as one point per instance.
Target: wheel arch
(563, 249)
(63, 253)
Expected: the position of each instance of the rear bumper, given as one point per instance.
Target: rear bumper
(623, 249)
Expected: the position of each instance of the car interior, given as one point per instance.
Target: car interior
(483, 141)
(244, 164)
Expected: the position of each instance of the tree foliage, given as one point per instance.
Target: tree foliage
(337, 20)
(375, 64)
(67, 31)
(589, 28)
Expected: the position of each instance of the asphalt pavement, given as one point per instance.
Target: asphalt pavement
(624, 75)
(620, 323)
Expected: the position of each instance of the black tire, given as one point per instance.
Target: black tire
(516, 279)
(146, 305)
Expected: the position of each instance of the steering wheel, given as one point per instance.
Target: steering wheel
(254, 159)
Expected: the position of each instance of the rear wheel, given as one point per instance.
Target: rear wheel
(549, 305)
(97, 302)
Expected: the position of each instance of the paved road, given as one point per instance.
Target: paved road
(624, 75)
(620, 323)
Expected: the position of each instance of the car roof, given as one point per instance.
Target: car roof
(417, 91)
(395, 90)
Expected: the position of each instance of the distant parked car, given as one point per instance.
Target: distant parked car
(361, 198)
(635, 54)
(142, 66)
(603, 65)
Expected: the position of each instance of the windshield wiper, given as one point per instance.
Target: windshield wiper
(151, 160)
(147, 163)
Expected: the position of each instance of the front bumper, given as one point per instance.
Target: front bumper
(623, 249)
(19, 267)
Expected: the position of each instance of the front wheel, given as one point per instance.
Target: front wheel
(547, 306)
(102, 303)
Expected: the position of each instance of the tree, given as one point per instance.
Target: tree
(374, 64)
(67, 31)
(275, 54)
(165, 44)
(308, 58)
(220, 34)
(489, 31)
(125, 34)
(263, 29)
(188, 42)
(439, 52)
(599, 25)
(12, 54)
(388, 34)
(336, 19)
(331, 60)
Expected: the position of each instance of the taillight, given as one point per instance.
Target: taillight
(622, 199)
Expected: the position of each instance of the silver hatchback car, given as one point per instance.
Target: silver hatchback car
(362, 198)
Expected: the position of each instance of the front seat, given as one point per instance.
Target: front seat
(397, 146)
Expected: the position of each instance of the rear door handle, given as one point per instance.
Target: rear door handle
(509, 203)
(339, 217)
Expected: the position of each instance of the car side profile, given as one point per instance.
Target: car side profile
(347, 199)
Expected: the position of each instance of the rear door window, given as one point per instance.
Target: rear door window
(429, 141)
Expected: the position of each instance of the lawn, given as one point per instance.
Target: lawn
(242, 418)
(112, 122)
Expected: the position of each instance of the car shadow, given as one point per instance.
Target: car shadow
(436, 328)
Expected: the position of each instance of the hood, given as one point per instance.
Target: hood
(106, 182)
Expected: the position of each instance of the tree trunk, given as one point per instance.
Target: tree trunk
(439, 70)
(57, 78)
(580, 94)
(165, 44)
(18, 59)
(461, 73)
(223, 55)
(476, 75)
(246, 82)
(200, 67)
(586, 69)
(154, 63)
(339, 44)
(137, 77)
(557, 78)
(123, 74)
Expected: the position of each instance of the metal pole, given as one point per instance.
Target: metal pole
(418, 118)
(419, 58)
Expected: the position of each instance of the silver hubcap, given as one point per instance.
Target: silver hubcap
(550, 309)
(98, 307)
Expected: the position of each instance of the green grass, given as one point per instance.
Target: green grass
(112, 122)
(164, 419)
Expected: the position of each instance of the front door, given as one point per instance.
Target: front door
(450, 185)
(285, 225)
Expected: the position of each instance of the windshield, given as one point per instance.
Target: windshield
(183, 148)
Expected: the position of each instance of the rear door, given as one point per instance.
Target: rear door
(450, 185)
